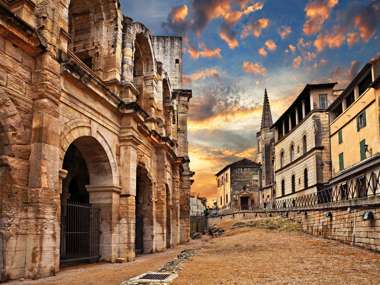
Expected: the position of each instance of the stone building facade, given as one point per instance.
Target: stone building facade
(302, 144)
(92, 115)
(265, 155)
(238, 185)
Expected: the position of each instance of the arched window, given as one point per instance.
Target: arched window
(305, 178)
(283, 187)
(304, 144)
(282, 154)
(292, 152)
(293, 183)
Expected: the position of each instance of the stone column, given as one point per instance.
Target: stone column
(128, 168)
(160, 213)
(107, 199)
(42, 254)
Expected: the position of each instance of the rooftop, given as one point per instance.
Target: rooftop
(243, 163)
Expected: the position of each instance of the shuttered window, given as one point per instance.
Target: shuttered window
(341, 161)
(363, 149)
(361, 120)
(340, 136)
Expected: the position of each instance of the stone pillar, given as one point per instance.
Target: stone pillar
(176, 209)
(43, 248)
(128, 168)
(107, 199)
(160, 213)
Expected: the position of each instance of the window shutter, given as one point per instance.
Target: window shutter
(358, 123)
(362, 150)
(364, 119)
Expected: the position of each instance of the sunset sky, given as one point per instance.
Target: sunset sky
(233, 49)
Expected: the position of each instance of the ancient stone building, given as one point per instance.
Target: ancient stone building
(93, 137)
(265, 154)
(238, 185)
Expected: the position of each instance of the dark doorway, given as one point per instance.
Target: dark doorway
(244, 203)
(144, 213)
(79, 220)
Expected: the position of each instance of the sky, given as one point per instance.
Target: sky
(234, 49)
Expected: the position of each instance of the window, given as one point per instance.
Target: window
(341, 161)
(293, 183)
(340, 136)
(323, 101)
(282, 159)
(361, 187)
(361, 120)
(283, 187)
(304, 144)
(226, 198)
(305, 178)
(350, 99)
(177, 61)
(221, 201)
(363, 150)
(365, 83)
(292, 152)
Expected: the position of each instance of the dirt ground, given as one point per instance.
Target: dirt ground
(246, 255)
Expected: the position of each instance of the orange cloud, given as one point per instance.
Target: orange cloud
(284, 32)
(179, 14)
(297, 62)
(292, 48)
(317, 12)
(254, 68)
(229, 38)
(271, 45)
(201, 74)
(232, 17)
(334, 39)
(204, 52)
(255, 28)
(366, 30)
(263, 52)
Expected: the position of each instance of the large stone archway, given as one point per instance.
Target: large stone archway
(99, 172)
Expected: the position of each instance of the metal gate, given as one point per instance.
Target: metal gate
(80, 233)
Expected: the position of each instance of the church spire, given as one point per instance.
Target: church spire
(266, 119)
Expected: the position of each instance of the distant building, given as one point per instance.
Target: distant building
(355, 136)
(197, 206)
(265, 154)
(302, 144)
(238, 185)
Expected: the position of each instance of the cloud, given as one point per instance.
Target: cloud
(200, 75)
(297, 62)
(178, 14)
(263, 52)
(271, 45)
(292, 48)
(333, 39)
(254, 68)
(284, 31)
(255, 28)
(344, 75)
(320, 63)
(204, 11)
(203, 52)
(227, 35)
(358, 21)
(317, 12)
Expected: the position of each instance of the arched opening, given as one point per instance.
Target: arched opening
(293, 183)
(144, 212)
(283, 187)
(86, 29)
(282, 157)
(86, 165)
(291, 152)
(304, 144)
(142, 64)
(168, 217)
(306, 178)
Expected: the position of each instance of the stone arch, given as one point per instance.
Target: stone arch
(81, 128)
(94, 28)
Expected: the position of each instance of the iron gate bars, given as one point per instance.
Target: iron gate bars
(80, 233)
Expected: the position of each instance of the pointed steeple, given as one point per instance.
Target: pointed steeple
(266, 119)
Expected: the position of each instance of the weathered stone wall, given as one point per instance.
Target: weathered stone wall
(52, 96)
(345, 224)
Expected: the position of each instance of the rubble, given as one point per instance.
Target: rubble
(175, 265)
(214, 231)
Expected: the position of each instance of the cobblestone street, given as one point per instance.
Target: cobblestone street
(244, 255)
